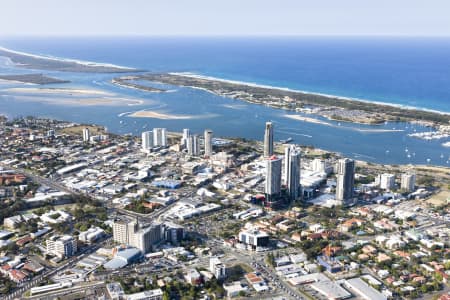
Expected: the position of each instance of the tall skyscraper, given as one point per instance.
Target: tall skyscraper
(292, 160)
(184, 139)
(193, 145)
(408, 182)
(160, 137)
(268, 140)
(147, 140)
(86, 135)
(273, 177)
(208, 142)
(345, 181)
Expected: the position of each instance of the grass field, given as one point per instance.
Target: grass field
(439, 199)
(78, 130)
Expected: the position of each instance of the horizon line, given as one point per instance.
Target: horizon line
(224, 35)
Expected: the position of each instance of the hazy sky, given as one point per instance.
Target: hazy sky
(225, 17)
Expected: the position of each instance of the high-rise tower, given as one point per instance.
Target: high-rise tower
(193, 145)
(86, 135)
(208, 142)
(345, 181)
(160, 137)
(292, 160)
(273, 177)
(268, 140)
(147, 140)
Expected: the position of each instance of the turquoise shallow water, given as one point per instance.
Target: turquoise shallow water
(410, 72)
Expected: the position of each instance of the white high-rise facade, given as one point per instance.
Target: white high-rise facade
(208, 142)
(61, 246)
(292, 160)
(193, 145)
(345, 181)
(86, 135)
(408, 182)
(159, 137)
(186, 135)
(129, 232)
(273, 177)
(319, 165)
(217, 268)
(387, 181)
(147, 140)
(268, 140)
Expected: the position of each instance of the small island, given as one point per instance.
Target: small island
(126, 82)
(33, 79)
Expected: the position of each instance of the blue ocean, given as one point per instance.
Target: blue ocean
(412, 72)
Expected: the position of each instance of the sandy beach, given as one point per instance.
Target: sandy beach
(159, 115)
(5, 82)
(74, 101)
(307, 119)
(59, 91)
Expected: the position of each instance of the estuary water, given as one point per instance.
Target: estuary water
(406, 71)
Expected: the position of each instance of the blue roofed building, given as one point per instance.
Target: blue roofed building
(123, 257)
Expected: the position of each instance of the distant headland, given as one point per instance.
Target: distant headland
(31, 61)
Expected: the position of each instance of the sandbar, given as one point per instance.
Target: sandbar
(74, 101)
(59, 91)
(159, 115)
(307, 119)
